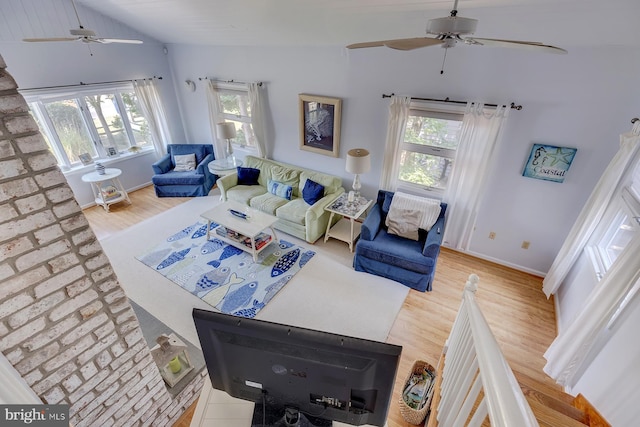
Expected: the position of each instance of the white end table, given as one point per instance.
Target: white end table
(346, 230)
(100, 182)
(224, 166)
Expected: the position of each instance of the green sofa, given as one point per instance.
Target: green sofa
(295, 216)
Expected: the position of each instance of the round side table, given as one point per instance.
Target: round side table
(223, 167)
(107, 189)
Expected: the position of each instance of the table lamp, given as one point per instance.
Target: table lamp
(358, 161)
(227, 130)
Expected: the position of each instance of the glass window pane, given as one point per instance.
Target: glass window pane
(236, 104)
(138, 122)
(244, 134)
(433, 132)
(107, 121)
(43, 131)
(71, 129)
(425, 169)
(620, 239)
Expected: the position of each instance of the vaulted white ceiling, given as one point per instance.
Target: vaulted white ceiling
(340, 22)
(564, 23)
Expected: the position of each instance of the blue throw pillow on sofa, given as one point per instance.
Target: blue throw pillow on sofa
(279, 189)
(248, 176)
(312, 192)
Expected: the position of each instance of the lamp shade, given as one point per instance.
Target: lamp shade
(358, 161)
(226, 130)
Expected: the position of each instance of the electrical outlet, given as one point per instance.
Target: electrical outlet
(492, 235)
(525, 245)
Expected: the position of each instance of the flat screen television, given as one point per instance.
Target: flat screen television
(298, 376)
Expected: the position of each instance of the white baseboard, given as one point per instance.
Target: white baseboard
(501, 262)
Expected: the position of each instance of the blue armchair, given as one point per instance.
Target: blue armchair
(193, 183)
(412, 263)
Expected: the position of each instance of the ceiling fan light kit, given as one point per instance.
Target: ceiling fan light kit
(452, 25)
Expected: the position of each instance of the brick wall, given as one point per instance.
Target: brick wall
(65, 322)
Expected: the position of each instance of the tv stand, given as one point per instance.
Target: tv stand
(277, 416)
(217, 408)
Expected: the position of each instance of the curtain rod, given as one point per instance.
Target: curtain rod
(513, 105)
(226, 81)
(91, 84)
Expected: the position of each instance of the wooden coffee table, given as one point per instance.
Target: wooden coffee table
(247, 234)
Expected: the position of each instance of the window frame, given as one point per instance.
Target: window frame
(232, 88)
(436, 111)
(39, 98)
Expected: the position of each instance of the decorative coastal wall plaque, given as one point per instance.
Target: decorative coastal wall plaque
(549, 162)
(320, 124)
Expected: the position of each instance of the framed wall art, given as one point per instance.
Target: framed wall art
(320, 124)
(549, 162)
(112, 151)
(85, 158)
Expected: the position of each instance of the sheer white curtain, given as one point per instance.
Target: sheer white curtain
(398, 115)
(258, 123)
(569, 351)
(592, 212)
(215, 117)
(14, 389)
(481, 129)
(149, 98)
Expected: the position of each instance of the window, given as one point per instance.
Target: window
(428, 149)
(621, 225)
(233, 106)
(90, 121)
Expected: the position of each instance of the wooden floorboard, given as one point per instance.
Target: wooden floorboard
(518, 312)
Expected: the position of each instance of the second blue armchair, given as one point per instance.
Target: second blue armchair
(410, 262)
(197, 182)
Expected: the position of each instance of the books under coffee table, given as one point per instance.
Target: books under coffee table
(241, 226)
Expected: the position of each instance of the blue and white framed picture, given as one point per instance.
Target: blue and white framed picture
(549, 162)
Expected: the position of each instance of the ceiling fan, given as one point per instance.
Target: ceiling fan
(448, 31)
(83, 34)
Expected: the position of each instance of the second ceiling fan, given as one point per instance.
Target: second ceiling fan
(448, 31)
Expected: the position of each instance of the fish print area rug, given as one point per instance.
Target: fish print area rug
(222, 275)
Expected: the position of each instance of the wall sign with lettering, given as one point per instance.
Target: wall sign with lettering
(549, 162)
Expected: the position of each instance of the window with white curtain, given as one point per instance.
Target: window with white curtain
(234, 106)
(620, 224)
(97, 120)
(428, 149)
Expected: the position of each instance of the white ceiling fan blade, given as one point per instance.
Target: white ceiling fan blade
(52, 39)
(515, 43)
(413, 43)
(400, 44)
(365, 44)
(129, 41)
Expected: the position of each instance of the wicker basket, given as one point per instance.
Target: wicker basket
(417, 416)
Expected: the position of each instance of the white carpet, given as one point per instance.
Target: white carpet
(327, 294)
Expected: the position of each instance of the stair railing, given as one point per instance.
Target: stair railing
(474, 364)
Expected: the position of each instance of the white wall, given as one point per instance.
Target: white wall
(584, 99)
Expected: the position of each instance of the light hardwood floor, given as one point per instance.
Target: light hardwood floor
(520, 316)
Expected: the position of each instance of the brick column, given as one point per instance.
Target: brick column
(65, 322)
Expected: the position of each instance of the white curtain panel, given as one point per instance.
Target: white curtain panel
(568, 352)
(592, 211)
(215, 117)
(481, 130)
(398, 115)
(151, 105)
(256, 103)
(14, 389)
